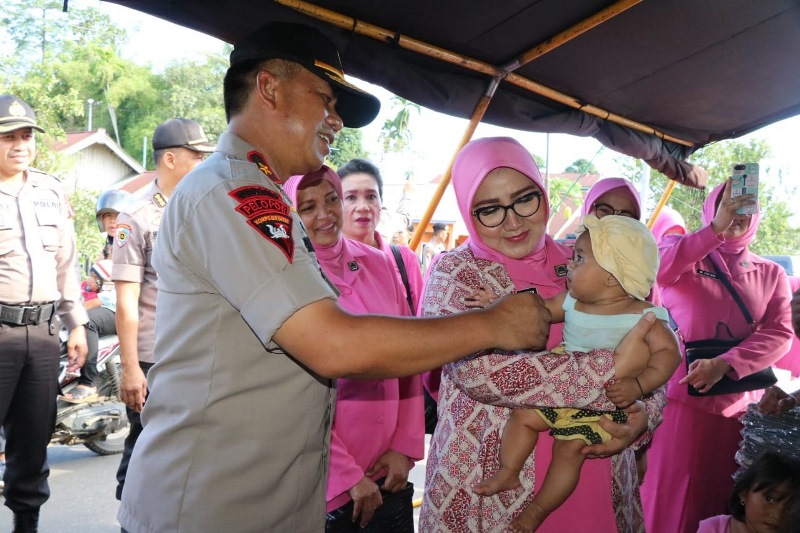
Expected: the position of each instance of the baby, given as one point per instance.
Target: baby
(613, 267)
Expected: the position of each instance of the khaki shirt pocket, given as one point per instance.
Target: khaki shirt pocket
(49, 236)
(7, 242)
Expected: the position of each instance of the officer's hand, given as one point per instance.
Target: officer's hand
(396, 466)
(133, 388)
(366, 498)
(76, 348)
(521, 321)
(622, 435)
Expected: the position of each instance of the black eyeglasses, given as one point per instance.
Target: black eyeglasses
(604, 210)
(525, 206)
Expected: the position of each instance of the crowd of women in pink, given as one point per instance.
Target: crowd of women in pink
(378, 429)
(378, 424)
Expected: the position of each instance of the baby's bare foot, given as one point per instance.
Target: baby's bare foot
(529, 519)
(504, 479)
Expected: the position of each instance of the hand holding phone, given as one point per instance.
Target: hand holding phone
(744, 180)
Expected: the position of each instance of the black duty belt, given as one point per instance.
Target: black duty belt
(26, 315)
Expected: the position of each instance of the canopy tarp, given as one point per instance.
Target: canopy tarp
(653, 79)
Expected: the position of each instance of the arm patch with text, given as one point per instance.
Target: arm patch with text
(267, 213)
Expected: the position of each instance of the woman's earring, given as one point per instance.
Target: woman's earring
(741, 502)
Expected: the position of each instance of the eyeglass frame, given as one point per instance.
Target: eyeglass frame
(476, 212)
(618, 212)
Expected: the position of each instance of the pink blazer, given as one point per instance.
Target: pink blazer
(697, 302)
(372, 416)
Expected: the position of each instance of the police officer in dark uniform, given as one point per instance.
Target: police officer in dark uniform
(38, 290)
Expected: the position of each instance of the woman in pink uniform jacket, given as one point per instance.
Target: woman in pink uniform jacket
(691, 460)
(378, 429)
(499, 174)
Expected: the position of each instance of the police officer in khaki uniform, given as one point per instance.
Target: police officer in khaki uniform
(179, 145)
(38, 286)
(237, 423)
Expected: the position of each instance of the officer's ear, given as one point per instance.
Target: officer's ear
(168, 159)
(267, 87)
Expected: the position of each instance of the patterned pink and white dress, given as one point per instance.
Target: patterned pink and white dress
(476, 395)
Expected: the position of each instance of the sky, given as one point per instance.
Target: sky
(435, 136)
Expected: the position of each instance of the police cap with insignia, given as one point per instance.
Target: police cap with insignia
(16, 114)
(310, 48)
(181, 133)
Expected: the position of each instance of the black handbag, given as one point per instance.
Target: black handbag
(709, 348)
(396, 515)
(431, 415)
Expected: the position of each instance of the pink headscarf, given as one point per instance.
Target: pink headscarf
(293, 184)
(668, 219)
(609, 184)
(471, 166)
(730, 246)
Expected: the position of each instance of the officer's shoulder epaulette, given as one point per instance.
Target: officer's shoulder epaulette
(41, 178)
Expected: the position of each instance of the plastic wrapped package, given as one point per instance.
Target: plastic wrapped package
(762, 432)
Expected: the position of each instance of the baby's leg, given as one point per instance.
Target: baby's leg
(561, 479)
(519, 439)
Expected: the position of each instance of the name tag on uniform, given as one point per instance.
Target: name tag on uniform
(706, 273)
(47, 211)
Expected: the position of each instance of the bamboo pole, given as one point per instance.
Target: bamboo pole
(382, 34)
(578, 29)
(661, 203)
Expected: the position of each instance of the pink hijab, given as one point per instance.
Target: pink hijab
(668, 221)
(326, 255)
(609, 184)
(740, 243)
(471, 166)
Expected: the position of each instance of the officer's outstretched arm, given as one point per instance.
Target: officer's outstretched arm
(372, 346)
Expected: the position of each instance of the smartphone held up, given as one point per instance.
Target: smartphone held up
(744, 180)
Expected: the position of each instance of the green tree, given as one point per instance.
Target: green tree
(395, 134)
(582, 166)
(87, 235)
(559, 191)
(775, 233)
(346, 147)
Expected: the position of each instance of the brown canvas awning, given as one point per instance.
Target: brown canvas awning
(655, 79)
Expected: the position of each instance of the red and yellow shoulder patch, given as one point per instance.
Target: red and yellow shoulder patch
(267, 213)
(263, 165)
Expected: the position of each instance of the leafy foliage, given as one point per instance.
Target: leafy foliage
(775, 235)
(395, 133)
(346, 147)
(582, 166)
(89, 239)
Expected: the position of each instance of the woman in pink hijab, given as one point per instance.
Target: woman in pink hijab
(669, 222)
(501, 198)
(378, 429)
(691, 460)
(613, 196)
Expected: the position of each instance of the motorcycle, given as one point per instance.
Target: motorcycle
(102, 424)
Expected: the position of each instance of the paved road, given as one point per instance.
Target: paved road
(82, 499)
(82, 486)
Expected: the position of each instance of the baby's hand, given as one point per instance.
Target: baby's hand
(481, 297)
(623, 391)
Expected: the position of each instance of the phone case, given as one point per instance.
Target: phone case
(745, 181)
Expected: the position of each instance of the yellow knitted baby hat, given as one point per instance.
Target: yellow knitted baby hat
(627, 249)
